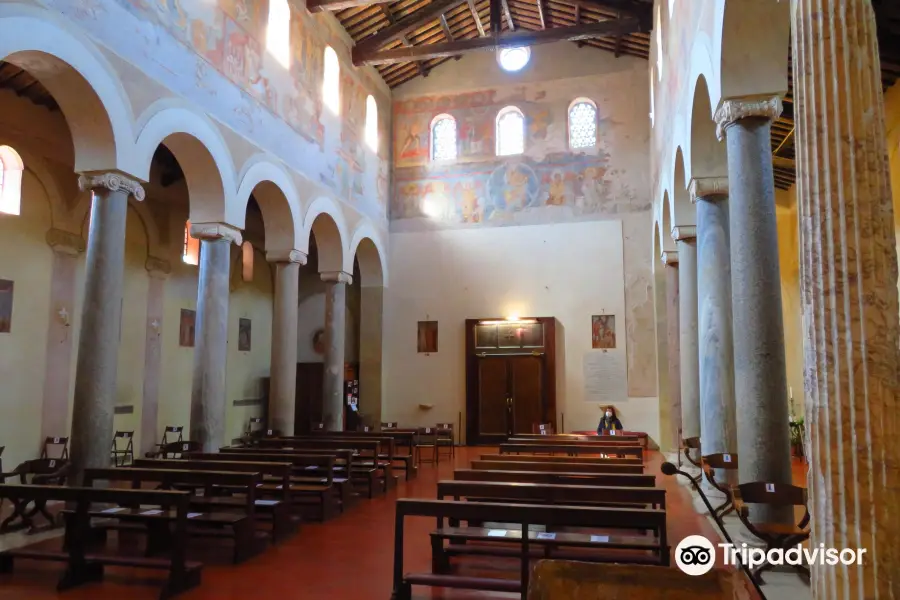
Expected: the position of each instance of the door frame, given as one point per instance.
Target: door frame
(473, 437)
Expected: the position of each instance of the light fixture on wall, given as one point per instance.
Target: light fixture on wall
(63, 316)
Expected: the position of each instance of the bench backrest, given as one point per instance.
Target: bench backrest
(387, 441)
(772, 494)
(552, 493)
(282, 470)
(496, 465)
(58, 446)
(360, 445)
(572, 448)
(576, 441)
(299, 461)
(721, 460)
(87, 495)
(573, 459)
(600, 479)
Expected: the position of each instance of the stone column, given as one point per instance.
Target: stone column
(101, 312)
(335, 333)
(673, 340)
(158, 271)
(717, 405)
(370, 350)
(208, 399)
(283, 375)
(849, 289)
(57, 369)
(685, 237)
(760, 375)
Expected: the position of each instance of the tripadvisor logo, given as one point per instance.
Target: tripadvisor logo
(695, 555)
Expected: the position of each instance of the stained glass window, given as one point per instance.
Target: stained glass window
(443, 138)
(510, 132)
(582, 124)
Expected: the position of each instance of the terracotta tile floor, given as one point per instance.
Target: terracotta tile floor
(348, 558)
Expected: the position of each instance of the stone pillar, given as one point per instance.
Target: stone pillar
(158, 271)
(673, 340)
(208, 397)
(335, 333)
(849, 290)
(760, 375)
(101, 312)
(685, 237)
(371, 321)
(283, 376)
(57, 369)
(717, 407)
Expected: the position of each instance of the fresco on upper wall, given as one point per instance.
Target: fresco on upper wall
(548, 183)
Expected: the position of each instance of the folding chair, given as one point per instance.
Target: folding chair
(168, 437)
(122, 456)
(427, 438)
(40, 471)
(446, 439)
(726, 462)
(688, 444)
(60, 443)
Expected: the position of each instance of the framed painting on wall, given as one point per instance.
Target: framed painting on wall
(186, 330)
(428, 337)
(244, 335)
(6, 304)
(603, 332)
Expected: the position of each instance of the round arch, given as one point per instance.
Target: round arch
(366, 247)
(201, 152)
(325, 220)
(278, 200)
(680, 208)
(706, 155)
(81, 81)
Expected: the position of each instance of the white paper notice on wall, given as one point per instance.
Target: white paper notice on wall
(605, 377)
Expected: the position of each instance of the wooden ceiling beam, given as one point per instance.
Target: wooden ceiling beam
(642, 10)
(334, 5)
(495, 41)
(495, 17)
(407, 24)
(544, 18)
(477, 18)
(508, 15)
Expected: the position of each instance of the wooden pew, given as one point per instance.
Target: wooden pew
(627, 440)
(598, 479)
(594, 460)
(84, 565)
(386, 457)
(312, 477)
(554, 467)
(574, 449)
(543, 493)
(242, 524)
(402, 439)
(522, 546)
(278, 510)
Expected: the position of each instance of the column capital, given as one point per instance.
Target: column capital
(65, 242)
(289, 256)
(684, 232)
(669, 257)
(702, 188)
(157, 267)
(337, 277)
(216, 231)
(732, 110)
(112, 181)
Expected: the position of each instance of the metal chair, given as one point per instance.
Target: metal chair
(446, 439)
(122, 456)
(426, 437)
(59, 443)
(725, 462)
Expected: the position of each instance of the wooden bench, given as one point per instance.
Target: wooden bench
(573, 449)
(278, 510)
(41, 471)
(401, 439)
(622, 440)
(524, 515)
(594, 460)
(84, 566)
(365, 459)
(496, 465)
(212, 524)
(543, 493)
(311, 483)
(600, 479)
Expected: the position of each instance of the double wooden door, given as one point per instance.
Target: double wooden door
(511, 395)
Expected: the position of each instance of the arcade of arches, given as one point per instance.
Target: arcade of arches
(178, 242)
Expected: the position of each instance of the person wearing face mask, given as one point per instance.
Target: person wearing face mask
(609, 422)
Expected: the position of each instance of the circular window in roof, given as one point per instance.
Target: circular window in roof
(514, 59)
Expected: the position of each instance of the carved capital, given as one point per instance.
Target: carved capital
(337, 277)
(158, 267)
(65, 242)
(114, 182)
(669, 257)
(290, 256)
(734, 109)
(684, 232)
(216, 231)
(708, 188)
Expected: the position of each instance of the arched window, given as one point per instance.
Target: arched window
(652, 100)
(443, 138)
(331, 81)
(11, 168)
(659, 41)
(247, 261)
(671, 8)
(190, 253)
(278, 32)
(510, 131)
(372, 123)
(582, 124)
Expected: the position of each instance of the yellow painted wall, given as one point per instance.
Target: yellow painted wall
(27, 261)
(789, 260)
(892, 122)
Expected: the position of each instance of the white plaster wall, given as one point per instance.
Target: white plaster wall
(568, 271)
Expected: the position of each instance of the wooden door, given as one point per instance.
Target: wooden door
(308, 406)
(527, 392)
(493, 395)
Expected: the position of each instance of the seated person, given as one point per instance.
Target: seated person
(609, 422)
